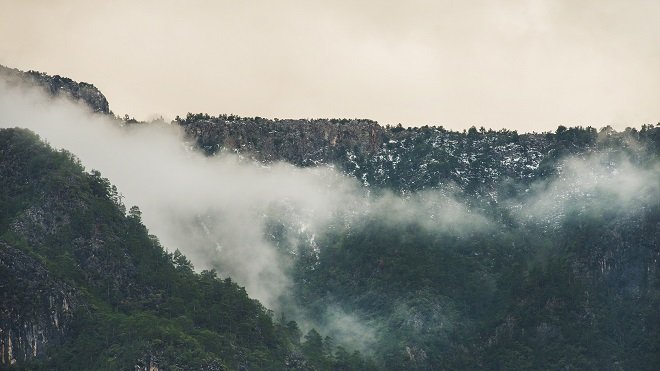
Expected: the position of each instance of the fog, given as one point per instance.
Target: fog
(218, 210)
(597, 183)
(222, 212)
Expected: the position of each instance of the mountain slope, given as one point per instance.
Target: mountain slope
(58, 86)
(565, 275)
(472, 250)
(411, 159)
(85, 287)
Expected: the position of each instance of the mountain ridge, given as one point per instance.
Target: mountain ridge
(482, 249)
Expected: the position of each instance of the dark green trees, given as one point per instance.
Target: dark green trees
(137, 303)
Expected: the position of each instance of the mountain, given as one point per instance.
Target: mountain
(84, 286)
(564, 276)
(457, 250)
(58, 86)
(410, 159)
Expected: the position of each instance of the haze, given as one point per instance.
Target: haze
(524, 65)
(250, 221)
(219, 210)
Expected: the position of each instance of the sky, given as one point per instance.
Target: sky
(528, 65)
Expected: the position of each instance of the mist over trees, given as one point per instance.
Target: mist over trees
(373, 247)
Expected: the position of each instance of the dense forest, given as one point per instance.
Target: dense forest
(478, 249)
(86, 287)
(555, 265)
(563, 273)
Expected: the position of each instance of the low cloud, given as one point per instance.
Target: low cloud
(219, 210)
(224, 212)
(596, 183)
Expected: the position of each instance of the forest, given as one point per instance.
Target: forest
(224, 242)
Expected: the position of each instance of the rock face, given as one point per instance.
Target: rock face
(58, 85)
(601, 264)
(408, 160)
(36, 309)
(300, 142)
(76, 271)
(72, 263)
(411, 159)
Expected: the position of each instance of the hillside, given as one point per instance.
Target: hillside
(410, 159)
(423, 248)
(564, 274)
(58, 86)
(84, 286)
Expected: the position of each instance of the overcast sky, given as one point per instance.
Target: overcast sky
(528, 65)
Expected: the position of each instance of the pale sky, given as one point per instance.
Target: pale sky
(528, 65)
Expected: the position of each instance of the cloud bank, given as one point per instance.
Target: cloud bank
(223, 212)
(220, 211)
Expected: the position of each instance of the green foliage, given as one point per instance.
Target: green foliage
(579, 294)
(582, 294)
(141, 302)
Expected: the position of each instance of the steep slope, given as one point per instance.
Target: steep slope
(565, 275)
(411, 159)
(58, 86)
(85, 287)
(580, 295)
(472, 250)
(37, 309)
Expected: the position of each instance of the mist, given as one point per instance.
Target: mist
(219, 210)
(223, 212)
(596, 183)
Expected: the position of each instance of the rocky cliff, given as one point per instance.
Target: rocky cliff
(412, 159)
(84, 286)
(552, 265)
(37, 308)
(300, 142)
(59, 86)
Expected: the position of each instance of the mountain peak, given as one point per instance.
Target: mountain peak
(59, 85)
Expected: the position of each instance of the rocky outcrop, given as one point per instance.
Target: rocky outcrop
(393, 157)
(57, 85)
(408, 159)
(300, 142)
(36, 309)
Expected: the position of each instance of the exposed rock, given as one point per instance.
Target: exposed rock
(36, 309)
(59, 85)
(300, 142)
(406, 160)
